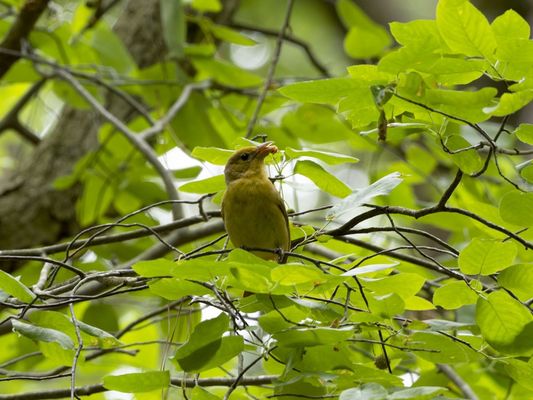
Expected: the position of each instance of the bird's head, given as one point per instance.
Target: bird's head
(248, 162)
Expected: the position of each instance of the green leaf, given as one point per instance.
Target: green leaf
(295, 274)
(102, 315)
(65, 181)
(486, 256)
(110, 49)
(514, 60)
(440, 348)
(519, 280)
(468, 161)
(368, 391)
(505, 323)
(96, 198)
(465, 29)
(526, 171)
(510, 103)
(70, 96)
(322, 178)
(510, 25)
(524, 133)
(225, 73)
(174, 26)
(15, 288)
(367, 42)
(370, 374)
(199, 393)
(273, 322)
(517, 208)
(213, 155)
(57, 354)
(418, 393)
(306, 337)
(105, 339)
(365, 38)
(370, 268)
(515, 50)
(187, 173)
(454, 295)
(212, 355)
(359, 108)
(154, 268)
(404, 285)
(202, 186)
(174, 288)
(200, 269)
(327, 157)
(323, 91)
(206, 348)
(316, 124)
(138, 382)
(252, 273)
(520, 371)
(213, 6)
(200, 50)
(421, 33)
(381, 187)
(386, 306)
(194, 117)
(41, 334)
(204, 333)
(437, 325)
(231, 36)
(417, 303)
(57, 321)
(468, 105)
(445, 69)
(352, 15)
(81, 17)
(367, 75)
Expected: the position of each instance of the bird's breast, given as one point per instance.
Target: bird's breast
(253, 216)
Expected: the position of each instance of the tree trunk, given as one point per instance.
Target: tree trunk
(32, 212)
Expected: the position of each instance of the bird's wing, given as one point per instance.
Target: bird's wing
(222, 208)
(281, 205)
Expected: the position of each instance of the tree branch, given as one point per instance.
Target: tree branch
(289, 38)
(271, 70)
(460, 382)
(11, 119)
(178, 381)
(20, 30)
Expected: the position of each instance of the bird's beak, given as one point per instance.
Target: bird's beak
(265, 149)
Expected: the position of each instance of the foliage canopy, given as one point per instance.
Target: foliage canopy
(409, 179)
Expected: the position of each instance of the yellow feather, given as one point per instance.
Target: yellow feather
(253, 211)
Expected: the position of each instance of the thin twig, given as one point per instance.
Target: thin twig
(138, 142)
(271, 69)
(289, 38)
(458, 380)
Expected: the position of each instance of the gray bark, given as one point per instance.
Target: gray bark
(32, 212)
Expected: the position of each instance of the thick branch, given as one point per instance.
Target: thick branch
(20, 30)
(180, 382)
(113, 238)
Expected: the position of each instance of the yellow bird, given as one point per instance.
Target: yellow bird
(254, 213)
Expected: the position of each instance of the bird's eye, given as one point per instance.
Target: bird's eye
(245, 156)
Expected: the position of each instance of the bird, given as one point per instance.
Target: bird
(253, 211)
